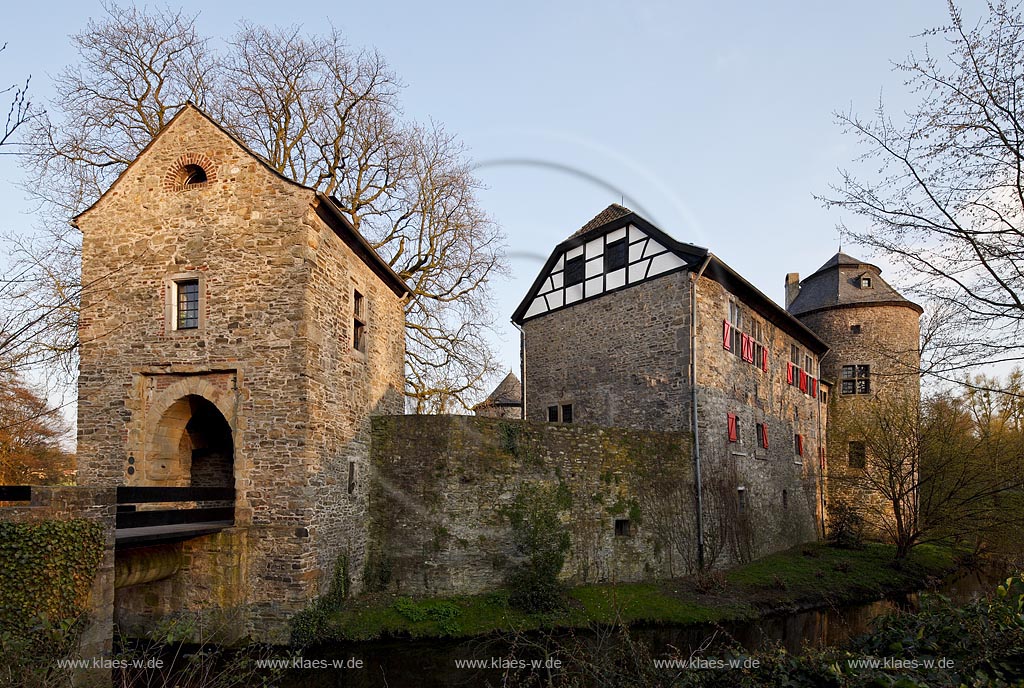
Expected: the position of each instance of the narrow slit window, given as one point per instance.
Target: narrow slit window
(358, 321)
(187, 304)
(623, 528)
(741, 501)
(351, 476)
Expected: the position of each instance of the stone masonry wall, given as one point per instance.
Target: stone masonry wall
(889, 341)
(782, 489)
(441, 483)
(621, 360)
(346, 388)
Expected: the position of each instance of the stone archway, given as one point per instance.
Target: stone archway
(192, 445)
(188, 439)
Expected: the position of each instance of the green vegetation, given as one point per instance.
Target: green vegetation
(542, 539)
(48, 569)
(805, 576)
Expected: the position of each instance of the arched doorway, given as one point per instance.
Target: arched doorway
(192, 446)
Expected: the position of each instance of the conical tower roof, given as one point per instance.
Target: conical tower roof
(845, 281)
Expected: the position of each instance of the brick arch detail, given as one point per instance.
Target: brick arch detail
(163, 433)
(171, 178)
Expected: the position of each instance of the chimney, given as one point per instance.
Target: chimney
(792, 287)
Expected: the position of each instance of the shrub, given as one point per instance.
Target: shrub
(543, 540)
(845, 526)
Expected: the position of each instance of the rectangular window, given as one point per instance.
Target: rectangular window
(187, 304)
(858, 454)
(785, 499)
(622, 527)
(552, 414)
(856, 379)
(351, 476)
(615, 255)
(762, 435)
(798, 444)
(854, 329)
(794, 354)
(741, 501)
(575, 269)
(358, 322)
(566, 413)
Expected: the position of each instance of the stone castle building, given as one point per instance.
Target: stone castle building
(237, 332)
(627, 327)
(874, 359)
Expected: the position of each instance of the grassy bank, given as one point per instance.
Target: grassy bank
(806, 576)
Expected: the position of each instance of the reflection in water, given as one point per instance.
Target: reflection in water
(426, 664)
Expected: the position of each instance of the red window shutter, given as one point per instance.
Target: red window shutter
(744, 347)
(764, 435)
(803, 382)
(789, 372)
(814, 387)
(764, 359)
(732, 426)
(726, 335)
(800, 445)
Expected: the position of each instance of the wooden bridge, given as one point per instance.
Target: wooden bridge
(158, 515)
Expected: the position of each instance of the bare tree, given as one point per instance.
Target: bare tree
(20, 110)
(930, 471)
(942, 187)
(323, 115)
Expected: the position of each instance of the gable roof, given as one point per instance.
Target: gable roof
(694, 256)
(612, 212)
(836, 284)
(325, 207)
(509, 392)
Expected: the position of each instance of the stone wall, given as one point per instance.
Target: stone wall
(94, 504)
(782, 489)
(621, 360)
(441, 486)
(887, 338)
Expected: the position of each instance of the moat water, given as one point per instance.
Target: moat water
(426, 664)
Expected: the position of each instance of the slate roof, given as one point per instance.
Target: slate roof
(837, 284)
(509, 392)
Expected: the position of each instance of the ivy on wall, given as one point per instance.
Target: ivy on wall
(47, 570)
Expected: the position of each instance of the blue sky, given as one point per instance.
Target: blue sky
(714, 118)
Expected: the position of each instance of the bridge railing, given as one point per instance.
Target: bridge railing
(174, 506)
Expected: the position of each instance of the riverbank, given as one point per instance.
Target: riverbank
(811, 575)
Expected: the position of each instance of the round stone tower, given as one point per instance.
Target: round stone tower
(873, 332)
(874, 355)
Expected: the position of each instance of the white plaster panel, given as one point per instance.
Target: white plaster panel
(573, 252)
(636, 251)
(594, 286)
(556, 299)
(595, 248)
(665, 262)
(653, 248)
(635, 234)
(636, 272)
(616, 235)
(595, 267)
(573, 293)
(536, 308)
(616, 279)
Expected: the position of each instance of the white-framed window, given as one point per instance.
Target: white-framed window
(184, 302)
